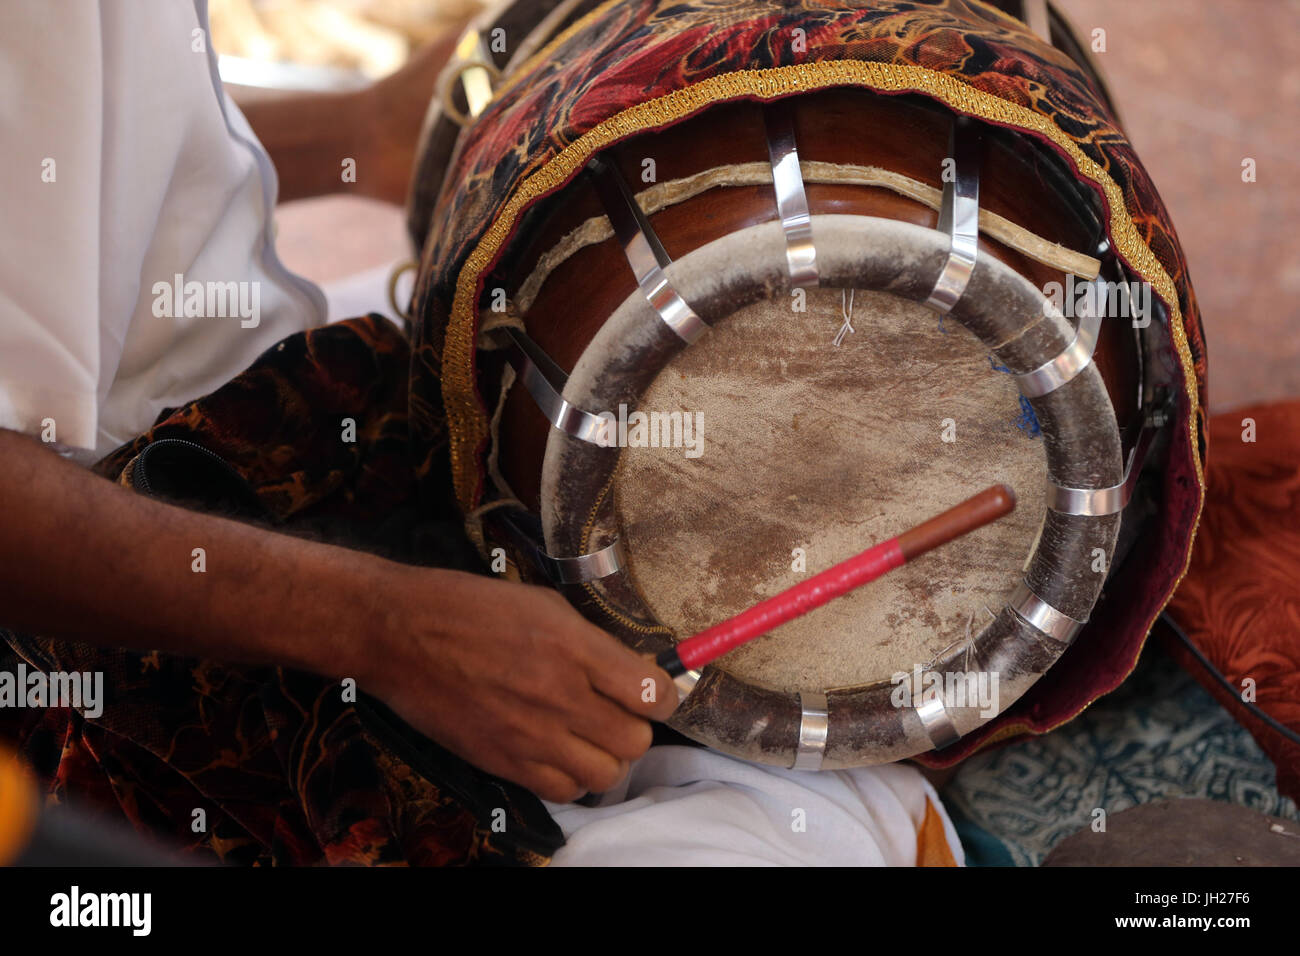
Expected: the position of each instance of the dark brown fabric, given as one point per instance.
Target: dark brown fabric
(284, 769)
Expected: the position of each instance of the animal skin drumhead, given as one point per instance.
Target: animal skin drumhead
(807, 453)
(804, 453)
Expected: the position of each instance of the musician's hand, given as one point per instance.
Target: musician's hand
(507, 676)
(511, 678)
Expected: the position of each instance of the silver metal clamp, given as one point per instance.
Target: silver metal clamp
(791, 198)
(814, 727)
(1115, 498)
(583, 567)
(959, 215)
(545, 382)
(644, 252)
(1043, 617)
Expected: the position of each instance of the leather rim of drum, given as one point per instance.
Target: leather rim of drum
(853, 726)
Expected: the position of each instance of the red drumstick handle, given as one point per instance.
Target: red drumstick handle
(710, 644)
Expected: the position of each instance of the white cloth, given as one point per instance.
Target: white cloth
(364, 292)
(154, 174)
(685, 806)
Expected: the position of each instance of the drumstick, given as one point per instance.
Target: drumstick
(710, 644)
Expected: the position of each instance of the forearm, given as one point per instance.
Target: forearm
(507, 676)
(309, 135)
(84, 559)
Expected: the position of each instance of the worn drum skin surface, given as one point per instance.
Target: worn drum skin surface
(830, 449)
(757, 710)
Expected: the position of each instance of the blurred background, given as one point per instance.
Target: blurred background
(1201, 85)
(325, 42)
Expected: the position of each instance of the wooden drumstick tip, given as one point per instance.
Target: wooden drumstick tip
(1002, 497)
(989, 505)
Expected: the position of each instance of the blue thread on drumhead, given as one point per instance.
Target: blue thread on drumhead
(1027, 421)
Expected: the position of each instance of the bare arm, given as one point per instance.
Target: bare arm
(82, 558)
(308, 135)
(509, 677)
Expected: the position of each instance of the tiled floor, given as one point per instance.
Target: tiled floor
(1201, 85)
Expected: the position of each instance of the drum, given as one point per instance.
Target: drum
(506, 34)
(705, 322)
(496, 43)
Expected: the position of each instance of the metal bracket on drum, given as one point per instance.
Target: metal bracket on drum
(645, 253)
(577, 569)
(959, 216)
(814, 726)
(685, 683)
(1041, 616)
(791, 199)
(1074, 358)
(1096, 502)
(476, 73)
(938, 725)
(545, 382)
(583, 567)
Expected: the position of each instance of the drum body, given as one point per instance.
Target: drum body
(775, 300)
(496, 43)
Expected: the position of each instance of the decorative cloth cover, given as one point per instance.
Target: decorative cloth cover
(634, 65)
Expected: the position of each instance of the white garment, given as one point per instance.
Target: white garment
(685, 806)
(155, 174)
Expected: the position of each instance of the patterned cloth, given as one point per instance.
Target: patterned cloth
(1160, 736)
(630, 66)
(284, 770)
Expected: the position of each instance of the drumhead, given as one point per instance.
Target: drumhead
(807, 453)
(832, 453)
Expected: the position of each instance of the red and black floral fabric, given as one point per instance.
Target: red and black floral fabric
(284, 769)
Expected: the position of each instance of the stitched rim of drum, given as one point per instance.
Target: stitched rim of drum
(859, 717)
(466, 415)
